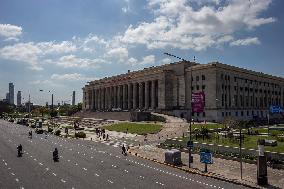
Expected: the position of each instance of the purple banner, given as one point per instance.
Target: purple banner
(197, 102)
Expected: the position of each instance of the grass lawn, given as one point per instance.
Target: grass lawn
(137, 128)
(208, 126)
(250, 142)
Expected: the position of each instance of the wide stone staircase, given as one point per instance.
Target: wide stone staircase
(122, 116)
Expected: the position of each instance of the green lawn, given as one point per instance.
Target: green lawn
(250, 142)
(137, 128)
(208, 126)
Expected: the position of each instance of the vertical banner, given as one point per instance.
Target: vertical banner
(197, 102)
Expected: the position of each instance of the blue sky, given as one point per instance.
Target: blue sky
(59, 45)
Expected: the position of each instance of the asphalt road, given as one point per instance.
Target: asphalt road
(83, 164)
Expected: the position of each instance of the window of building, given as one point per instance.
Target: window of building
(197, 78)
(192, 88)
(226, 114)
(228, 77)
(203, 77)
(222, 114)
(235, 79)
(197, 87)
(247, 113)
(203, 87)
(197, 114)
(242, 113)
(237, 113)
(235, 88)
(222, 76)
(191, 78)
(192, 114)
(222, 86)
(225, 77)
(204, 114)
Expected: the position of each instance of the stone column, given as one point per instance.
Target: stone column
(118, 96)
(97, 99)
(153, 96)
(140, 96)
(123, 97)
(115, 96)
(134, 96)
(129, 97)
(146, 95)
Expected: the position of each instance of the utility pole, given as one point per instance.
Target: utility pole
(29, 106)
(241, 163)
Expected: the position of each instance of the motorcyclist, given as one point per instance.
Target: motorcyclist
(20, 149)
(123, 150)
(55, 155)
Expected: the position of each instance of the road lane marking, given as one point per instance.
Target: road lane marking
(40, 163)
(13, 174)
(85, 169)
(54, 174)
(63, 181)
(17, 179)
(97, 174)
(110, 181)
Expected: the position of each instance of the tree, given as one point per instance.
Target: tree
(5, 107)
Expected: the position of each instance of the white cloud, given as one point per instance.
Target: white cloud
(148, 60)
(166, 60)
(23, 52)
(53, 47)
(10, 31)
(71, 77)
(31, 53)
(246, 42)
(177, 24)
(72, 61)
(120, 52)
(145, 60)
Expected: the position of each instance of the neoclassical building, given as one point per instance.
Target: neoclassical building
(229, 91)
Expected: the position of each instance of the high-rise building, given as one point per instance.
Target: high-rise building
(11, 93)
(19, 98)
(73, 98)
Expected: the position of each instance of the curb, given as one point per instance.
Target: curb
(194, 171)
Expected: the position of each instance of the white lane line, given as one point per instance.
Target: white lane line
(17, 179)
(110, 181)
(40, 163)
(13, 174)
(68, 160)
(63, 181)
(85, 169)
(125, 170)
(97, 175)
(47, 168)
(54, 174)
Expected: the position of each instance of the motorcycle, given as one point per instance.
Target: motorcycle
(20, 151)
(55, 156)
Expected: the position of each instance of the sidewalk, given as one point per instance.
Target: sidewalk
(223, 168)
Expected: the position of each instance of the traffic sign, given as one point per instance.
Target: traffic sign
(276, 109)
(206, 158)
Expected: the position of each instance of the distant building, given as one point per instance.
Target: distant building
(19, 98)
(7, 97)
(11, 93)
(73, 98)
(227, 91)
(29, 106)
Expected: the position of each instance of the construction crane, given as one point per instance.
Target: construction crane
(168, 54)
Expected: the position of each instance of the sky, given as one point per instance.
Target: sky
(60, 45)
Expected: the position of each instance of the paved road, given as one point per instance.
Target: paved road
(83, 164)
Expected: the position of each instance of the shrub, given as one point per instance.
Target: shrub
(49, 130)
(80, 135)
(57, 132)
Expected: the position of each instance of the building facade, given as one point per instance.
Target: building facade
(19, 98)
(11, 93)
(229, 91)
